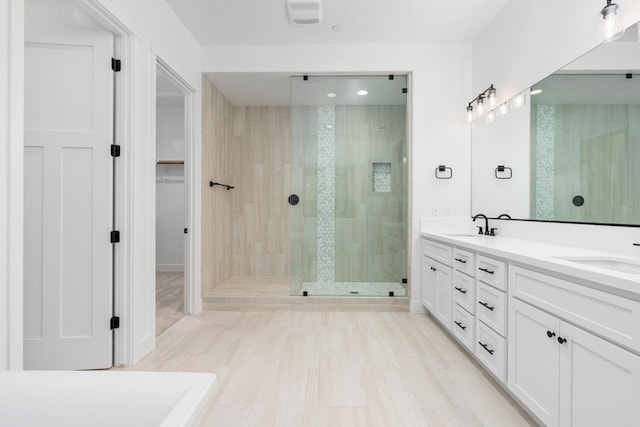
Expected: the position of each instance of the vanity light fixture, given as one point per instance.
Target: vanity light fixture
(477, 111)
(491, 116)
(331, 95)
(611, 27)
(362, 92)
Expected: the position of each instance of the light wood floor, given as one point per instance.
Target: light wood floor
(169, 300)
(318, 368)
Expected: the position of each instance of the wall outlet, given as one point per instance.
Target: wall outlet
(449, 211)
(435, 210)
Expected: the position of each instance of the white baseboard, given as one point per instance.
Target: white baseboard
(170, 268)
(416, 307)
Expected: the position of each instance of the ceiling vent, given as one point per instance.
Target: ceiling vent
(304, 12)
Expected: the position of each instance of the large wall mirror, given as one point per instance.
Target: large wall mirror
(571, 153)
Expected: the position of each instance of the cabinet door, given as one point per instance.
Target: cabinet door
(533, 359)
(444, 298)
(599, 381)
(429, 277)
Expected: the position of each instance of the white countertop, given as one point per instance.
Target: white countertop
(102, 398)
(543, 256)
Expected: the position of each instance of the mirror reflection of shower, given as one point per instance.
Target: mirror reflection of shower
(349, 170)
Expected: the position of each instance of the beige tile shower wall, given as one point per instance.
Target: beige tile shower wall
(217, 135)
(259, 209)
(370, 226)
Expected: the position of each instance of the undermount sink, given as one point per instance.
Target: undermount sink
(614, 264)
(463, 235)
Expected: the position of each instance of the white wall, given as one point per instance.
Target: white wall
(503, 142)
(170, 197)
(11, 177)
(440, 82)
(526, 42)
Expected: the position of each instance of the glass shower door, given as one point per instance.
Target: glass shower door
(348, 203)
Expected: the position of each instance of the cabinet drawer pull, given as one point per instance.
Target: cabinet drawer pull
(484, 304)
(551, 334)
(461, 260)
(432, 269)
(562, 340)
(486, 347)
(460, 325)
(486, 270)
(462, 291)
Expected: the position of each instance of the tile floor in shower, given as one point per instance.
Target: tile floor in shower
(354, 288)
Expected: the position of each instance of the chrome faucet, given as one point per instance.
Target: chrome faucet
(486, 224)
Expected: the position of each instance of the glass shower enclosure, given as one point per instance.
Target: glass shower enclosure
(348, 186)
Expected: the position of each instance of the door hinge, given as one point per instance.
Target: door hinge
(116, 64)
(114, 322)
(115, 150)
(115, 236)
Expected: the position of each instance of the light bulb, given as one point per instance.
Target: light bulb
(480, 107)
(503, 109)
(517, 101)
(491, 116)
(611, 27)
(491, 97)
(469, 113)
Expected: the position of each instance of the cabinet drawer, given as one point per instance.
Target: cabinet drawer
(438, 251)
(491, 307)
(464, 326)
(610, 316)
(464, 261)
(464, 291)
(491, 350)
(491, 271)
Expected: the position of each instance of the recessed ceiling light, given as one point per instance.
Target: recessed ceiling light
(331, 95)
(363, 92)
(536, 91)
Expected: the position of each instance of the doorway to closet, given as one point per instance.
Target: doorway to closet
(171, 201)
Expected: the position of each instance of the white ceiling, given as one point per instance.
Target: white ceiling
(262, 89)
(233, 22)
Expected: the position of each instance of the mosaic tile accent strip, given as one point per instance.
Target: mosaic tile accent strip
(545, 165)
(381, 289)
(326, 196)
(382, 177)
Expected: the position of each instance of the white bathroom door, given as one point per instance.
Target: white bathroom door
(68, 204)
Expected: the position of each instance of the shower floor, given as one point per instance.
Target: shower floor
(354, 288)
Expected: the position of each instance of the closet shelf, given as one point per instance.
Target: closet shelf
(170, 162)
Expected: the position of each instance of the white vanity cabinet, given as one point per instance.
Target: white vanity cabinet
(565, 374)
(564, 342)
(437, 277)
(464, 291)
(491, 315)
